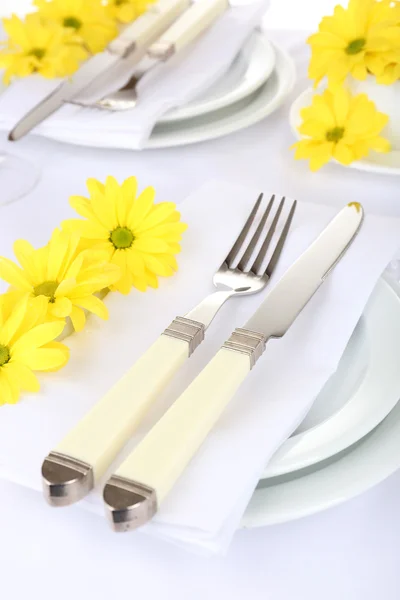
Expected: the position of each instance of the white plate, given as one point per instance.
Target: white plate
(250, 69)
(376, 162)
(244, 113)
(238, 116)
(358, 397)
(337, 480)
(341, 477)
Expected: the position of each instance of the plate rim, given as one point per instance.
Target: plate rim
(206, 106)
(319, 438)
(338, 481)
(360, 165)
(244, 116)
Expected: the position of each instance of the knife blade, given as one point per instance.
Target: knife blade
(300, 282)
(130, 45)
(137, 488)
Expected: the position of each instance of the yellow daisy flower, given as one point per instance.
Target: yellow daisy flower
(349, 41)
(139, 236)
(88, 19)
(60, 275)
(340, 126)
(32, 47)
(126, 11)
(26, 346)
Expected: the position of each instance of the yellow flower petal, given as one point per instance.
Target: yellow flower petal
(13, 323)
(141, 207)
(14, 275)
(78, 318)
(46, 359)
(36, 337)
(26, 379)
(61, 308)
(6, 395)
(379, 144)
(93, 305)
(343, 154)
(23, 250)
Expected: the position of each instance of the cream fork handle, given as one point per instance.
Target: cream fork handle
(71, 470)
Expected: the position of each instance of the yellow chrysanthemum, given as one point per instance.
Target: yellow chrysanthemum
(126, 11)
(32, 47)
(62, 276)
(352, 40)
(340, 126)
(26, 346)
(88, 19)
(139, 236)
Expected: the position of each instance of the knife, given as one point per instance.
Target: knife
(134, 493)
(131, 45)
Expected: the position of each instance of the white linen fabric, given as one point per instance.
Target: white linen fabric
(204, 509)
(166, 86)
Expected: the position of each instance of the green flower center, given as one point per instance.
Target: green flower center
(38, 53)
(47, 288)
(356, 46)
(121, 238)
(4, 355)
(119, 2)
(335, 134)
(72, 22)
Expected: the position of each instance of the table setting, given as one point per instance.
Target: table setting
(108, 289)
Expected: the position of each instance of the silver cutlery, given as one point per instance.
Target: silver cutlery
(184, 31)
(71, 470)
(129, 46)
(138, 487)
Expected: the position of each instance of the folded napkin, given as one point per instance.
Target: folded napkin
(167, 86)
(205, 508)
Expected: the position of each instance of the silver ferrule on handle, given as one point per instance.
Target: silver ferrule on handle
(161, 51)
(247, 342)
(128, 504)
(122, 48)
(188, 330)
(65, 479)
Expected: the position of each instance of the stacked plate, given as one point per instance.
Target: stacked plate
(350, 440)
(255, 85)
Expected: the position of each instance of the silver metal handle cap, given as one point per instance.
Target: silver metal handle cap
(65, 479)
(129, 504)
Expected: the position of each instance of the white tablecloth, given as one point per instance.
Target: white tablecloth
(349, 552)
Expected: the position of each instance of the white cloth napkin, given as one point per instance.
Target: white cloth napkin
(204, 509)
(169, 85)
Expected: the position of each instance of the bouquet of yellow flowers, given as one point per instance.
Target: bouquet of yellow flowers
(357, 49)
(55, 39)
(124, 240)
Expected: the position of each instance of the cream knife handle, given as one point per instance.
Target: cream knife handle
(148, 27)
(156, 463)
(188, 27)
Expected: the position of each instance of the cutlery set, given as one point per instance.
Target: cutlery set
(136, 490)
(160, 33)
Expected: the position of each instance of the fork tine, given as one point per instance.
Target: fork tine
(279, 246)
(242, 235)
(264, 248)
(253, 242)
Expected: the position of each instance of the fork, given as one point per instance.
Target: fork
(72, 469)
